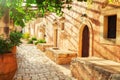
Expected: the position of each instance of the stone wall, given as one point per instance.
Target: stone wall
(76, 18)
(95, 17)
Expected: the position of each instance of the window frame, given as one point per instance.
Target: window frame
(104, 26)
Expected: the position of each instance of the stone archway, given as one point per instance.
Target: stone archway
(85, 40)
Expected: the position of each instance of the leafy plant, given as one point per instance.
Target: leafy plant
(31, 40)
(15, 38)
(34, 38)
(7, 44)
(26, 36)
(21, 11)
(40, 41)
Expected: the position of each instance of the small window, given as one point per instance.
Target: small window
(111, 31)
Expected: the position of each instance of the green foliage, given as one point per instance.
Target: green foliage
(40, 41)
(7, 44)
(31, 40)
(15, 38)
(16, 11)
(22, 13)
(110, 1)
(26, 36)
(17, 14)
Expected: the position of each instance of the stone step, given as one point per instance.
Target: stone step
(60, 56)
(43, 46)
(93, 68)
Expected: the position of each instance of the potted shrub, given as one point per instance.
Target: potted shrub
(8, 62)
(15, 40)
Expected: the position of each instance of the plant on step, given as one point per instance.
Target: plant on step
(40, 41)
(26, 36)
(32, 40)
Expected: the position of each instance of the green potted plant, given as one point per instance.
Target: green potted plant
(8, 62)
(15, 40)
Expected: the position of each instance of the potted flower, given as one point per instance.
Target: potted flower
(8, 62)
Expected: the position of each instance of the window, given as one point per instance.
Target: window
(110, 26)
(111, 32)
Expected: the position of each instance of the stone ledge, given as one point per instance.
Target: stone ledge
(94, 68)
(44, 46)
(60, 56)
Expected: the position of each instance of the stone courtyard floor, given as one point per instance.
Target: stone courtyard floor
(34, 65)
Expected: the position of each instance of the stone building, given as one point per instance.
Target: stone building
(93, 28)
(90, 29)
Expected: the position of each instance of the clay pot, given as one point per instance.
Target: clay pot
(8, 66)
(14, 49)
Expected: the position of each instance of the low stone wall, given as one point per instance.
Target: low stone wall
(93, 68)
(60, 56)
(43, 46)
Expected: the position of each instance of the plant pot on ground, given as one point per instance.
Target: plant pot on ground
(8, 62)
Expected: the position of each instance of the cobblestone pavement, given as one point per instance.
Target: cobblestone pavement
(34, 65)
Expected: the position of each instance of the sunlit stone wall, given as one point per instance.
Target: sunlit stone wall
(69, 37)
(94, 14)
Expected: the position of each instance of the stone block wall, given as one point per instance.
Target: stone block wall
(95, 69)
(69, 38)
(95, 16)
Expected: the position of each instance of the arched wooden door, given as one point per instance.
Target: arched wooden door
(85, 42)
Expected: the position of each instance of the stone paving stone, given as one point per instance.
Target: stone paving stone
(34, 65)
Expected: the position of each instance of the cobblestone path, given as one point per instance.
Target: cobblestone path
(34, 65)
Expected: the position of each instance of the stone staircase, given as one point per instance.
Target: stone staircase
(93, 68)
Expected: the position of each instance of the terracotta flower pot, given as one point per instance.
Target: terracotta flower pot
(14, 50)
(8, 66)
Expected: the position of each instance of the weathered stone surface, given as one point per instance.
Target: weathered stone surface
(94, 68)
(43, 46)
(60, 56)
(34, 65)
